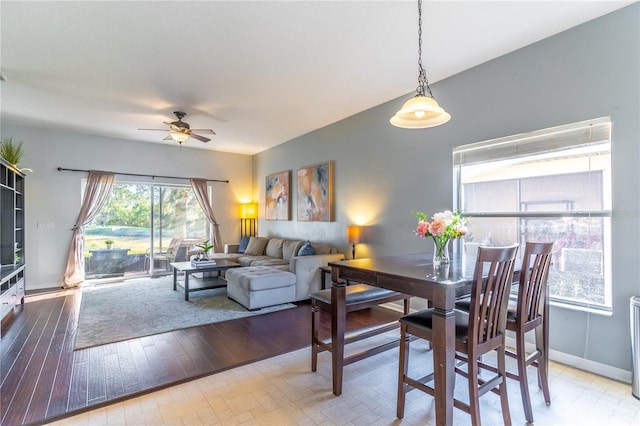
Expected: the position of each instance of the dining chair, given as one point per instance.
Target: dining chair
(357, 297)
(479, 331)
(526, 315)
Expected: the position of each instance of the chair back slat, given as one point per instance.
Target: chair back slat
(532, 288)
(489, 296)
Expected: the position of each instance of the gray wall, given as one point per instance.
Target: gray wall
(382, 173)
(53, 196)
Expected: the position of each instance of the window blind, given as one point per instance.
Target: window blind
(589, 132)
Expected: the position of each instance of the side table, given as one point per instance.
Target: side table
(324, 270)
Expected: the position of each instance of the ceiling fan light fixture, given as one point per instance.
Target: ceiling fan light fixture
(179, 136)
(421, 111)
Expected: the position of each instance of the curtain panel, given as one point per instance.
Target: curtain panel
(98, 187)
(202, 195)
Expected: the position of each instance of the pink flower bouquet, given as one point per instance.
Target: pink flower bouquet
(444, 226)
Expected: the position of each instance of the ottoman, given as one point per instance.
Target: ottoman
(255, 287)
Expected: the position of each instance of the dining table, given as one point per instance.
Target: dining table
(415, 275)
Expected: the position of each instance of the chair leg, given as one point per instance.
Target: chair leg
(504, 396)
(403, 366)
(543, 374)
(474, 397)
(522, 376)
(315, 323)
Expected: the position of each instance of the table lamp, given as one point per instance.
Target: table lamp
(354, 236)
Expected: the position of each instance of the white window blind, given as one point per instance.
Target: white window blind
(585, 133)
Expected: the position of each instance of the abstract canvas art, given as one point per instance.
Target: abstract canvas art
(315, 193)
(277, 196)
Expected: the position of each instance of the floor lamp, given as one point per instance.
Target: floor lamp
(248, 220)
(354, 236)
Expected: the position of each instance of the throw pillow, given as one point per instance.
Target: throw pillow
(306, 249)
(274, 248)
(290, 248)
(244, 242)
(256, 246)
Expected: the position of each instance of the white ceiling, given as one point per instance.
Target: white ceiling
(258, 73)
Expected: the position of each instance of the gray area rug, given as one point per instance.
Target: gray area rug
(136, 308)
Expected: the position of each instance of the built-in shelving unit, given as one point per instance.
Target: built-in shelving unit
(12, 259)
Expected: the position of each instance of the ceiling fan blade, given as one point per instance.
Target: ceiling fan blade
(160, 130)
(200, 138)
(209, 131)
(168, 138)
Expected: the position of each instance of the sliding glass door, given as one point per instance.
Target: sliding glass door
(141, 229)
(178, 225)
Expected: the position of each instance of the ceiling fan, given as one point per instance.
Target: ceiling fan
(180, 131)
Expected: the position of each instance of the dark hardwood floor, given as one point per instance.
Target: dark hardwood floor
(43, 379)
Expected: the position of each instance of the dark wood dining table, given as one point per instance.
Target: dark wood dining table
(417, 276)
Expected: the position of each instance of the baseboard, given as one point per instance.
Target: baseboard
(594, 367)
(40, 288)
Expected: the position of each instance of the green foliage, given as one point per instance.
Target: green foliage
(205, 246)
(108, 242)
(127, 205)
(11, 151)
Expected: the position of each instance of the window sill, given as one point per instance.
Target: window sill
(591, 309)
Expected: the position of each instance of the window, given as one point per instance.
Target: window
(548, 185)
(147, 226)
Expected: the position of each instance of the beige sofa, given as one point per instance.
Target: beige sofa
(283, 254)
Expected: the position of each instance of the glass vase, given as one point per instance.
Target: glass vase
(440, 251)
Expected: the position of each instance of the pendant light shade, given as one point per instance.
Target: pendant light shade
(421, 111)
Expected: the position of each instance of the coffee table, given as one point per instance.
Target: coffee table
(188, 269)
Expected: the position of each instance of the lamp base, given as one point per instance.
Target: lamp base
(248, 227)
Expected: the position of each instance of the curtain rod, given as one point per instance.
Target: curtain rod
(60, 169)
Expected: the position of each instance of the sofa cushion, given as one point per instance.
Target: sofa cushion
(244, 242)
(246, 260)
(274, 248)
(258, 278)
(290, 248)
(256, 246)
(307, 249)
(270, 261)
(322, 248)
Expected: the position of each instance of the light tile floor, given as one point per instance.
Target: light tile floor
(283, 391)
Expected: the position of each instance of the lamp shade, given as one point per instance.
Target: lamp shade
(420, 112)
(248, 211)
(354, 234)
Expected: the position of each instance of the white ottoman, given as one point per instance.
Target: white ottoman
(255, 287)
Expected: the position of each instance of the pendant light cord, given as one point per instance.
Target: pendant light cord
(423, 83)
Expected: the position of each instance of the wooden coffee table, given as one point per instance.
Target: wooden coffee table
(188, 269)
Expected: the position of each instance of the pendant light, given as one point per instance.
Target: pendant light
(421, 111)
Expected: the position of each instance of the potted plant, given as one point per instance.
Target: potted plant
(11, 151)
(109, 244)
(205, 246)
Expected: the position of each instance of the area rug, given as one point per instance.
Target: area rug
(136, 308)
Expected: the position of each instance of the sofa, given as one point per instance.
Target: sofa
(300, 258)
